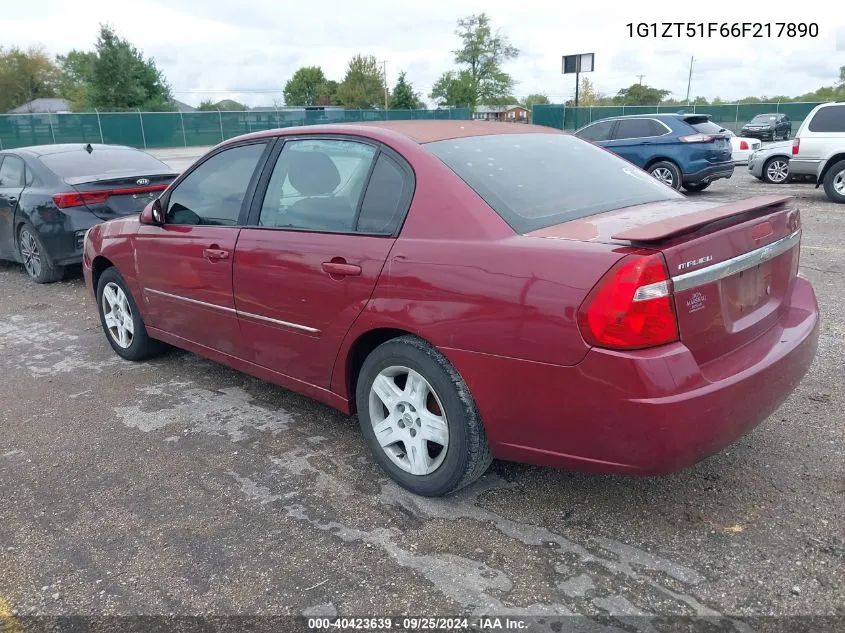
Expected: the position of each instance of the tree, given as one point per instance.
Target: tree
(587, 93)
(305, 87)
(482, 53)
(454, 89)
(404, 97)
(363, 85)
(123, 79)
(77, 72)
(328, 93)
(25, 75)
(226, 105)
(640, 94)
(536, 98)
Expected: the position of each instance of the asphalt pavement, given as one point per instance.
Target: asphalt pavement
(177, 486)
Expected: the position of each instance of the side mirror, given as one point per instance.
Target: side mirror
(153, 213)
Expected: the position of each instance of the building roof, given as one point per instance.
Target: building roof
(181, 106)
(43, 106)
(498, 109)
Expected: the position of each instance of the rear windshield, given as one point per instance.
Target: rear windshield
(705, 126)
(538, 180)
(102, 162)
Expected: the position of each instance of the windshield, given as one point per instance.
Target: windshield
(763, 118)
(538, 180)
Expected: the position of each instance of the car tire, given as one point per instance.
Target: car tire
(779, 168)
(667, 173)
(699, 186)
(121, 320)
(35, 258)
(437, 404)
(834, 182)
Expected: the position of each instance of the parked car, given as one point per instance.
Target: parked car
(772, 126)
(771, 163)
(686, 150)
(742, 148)
(818, 150)
(51, 194)
(472, 290)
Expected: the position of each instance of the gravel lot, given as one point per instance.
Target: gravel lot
(179, 486)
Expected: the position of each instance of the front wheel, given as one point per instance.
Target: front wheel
(776, 170)
(699, 186)
(121, 319)
(419, 419)
(834, 182)
(667, 173)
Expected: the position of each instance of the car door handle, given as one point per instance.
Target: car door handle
(214, 253)
(341, 269)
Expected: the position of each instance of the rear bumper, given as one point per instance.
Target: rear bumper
(644, 413)
(62, 233)
(710, 173)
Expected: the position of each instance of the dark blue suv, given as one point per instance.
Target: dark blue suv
(686, 150)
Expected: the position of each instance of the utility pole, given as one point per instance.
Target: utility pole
(689, 81)
(384, 66)
(640, 77)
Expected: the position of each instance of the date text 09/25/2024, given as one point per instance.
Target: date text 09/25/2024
(722, 29)
(417, 624)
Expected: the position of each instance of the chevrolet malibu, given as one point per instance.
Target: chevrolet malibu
(472, 291)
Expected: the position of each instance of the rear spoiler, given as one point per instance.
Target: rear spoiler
(670, 227)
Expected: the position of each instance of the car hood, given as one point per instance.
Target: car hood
(127, 225)
(758, 124)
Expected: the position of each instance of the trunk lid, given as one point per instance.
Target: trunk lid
(732, 265)
(120, 195)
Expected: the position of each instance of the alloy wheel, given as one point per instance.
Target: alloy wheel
(118, 315)
(839, 183)
(30, 253)
(664, 176)
(408, 420)
(777, 171)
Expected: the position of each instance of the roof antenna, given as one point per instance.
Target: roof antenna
(88, 148)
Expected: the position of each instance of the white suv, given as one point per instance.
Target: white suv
(818, 149)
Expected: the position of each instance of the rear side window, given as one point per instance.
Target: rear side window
(597, 131)
(638, 128)
(11, 172)
(704, 126)
(538, 180)
(102, 162)
(829, 119)
(386, 198)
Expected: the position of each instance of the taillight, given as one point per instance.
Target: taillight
(743, 145)
(631, 307)
(796, 143)
(77, 199)
(697, 138)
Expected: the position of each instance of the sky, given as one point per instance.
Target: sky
(247, 50)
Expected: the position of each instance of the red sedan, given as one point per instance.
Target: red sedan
(472, 290)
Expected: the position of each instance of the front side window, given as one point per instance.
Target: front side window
(316, 185)
(11, 172)
(214, 192)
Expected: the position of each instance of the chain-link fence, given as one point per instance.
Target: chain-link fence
(729, 115)
(177, 129)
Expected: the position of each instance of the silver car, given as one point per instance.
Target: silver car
(771, 163)
(818, 150)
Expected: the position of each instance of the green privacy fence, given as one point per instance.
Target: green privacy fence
(183, 129)
(730, 115)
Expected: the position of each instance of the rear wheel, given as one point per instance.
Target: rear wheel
(667, 173)
(36, 260)
(776, 170)
(834, 182)
(419, 419)
(699, 186)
